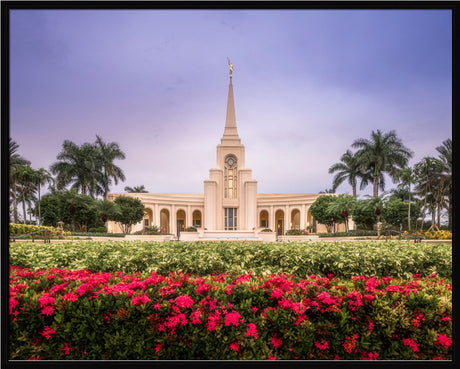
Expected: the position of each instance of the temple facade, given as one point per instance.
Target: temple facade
(230, 206)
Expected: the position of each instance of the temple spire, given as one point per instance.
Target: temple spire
(230, 132)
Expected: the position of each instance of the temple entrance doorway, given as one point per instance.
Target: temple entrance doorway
(279, 220)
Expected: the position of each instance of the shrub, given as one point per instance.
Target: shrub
(97, 230)
(266, 230)
(63, 314)
(439, 235)
(191, 229)
(19, 229)
(343, 259)
(352, 233)
(296, 232)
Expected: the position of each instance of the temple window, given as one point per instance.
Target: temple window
(230, 178)
(230, 219)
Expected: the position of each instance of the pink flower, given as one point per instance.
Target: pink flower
(70, 296)
(213, 321)
(202, 288)
(139, 300)
(47, 310)
(184, 301)
(411, 343)
(271, 358)
(443, 340)
(235, 346)
(233, 318)
(372, 355)
(46, 299)
(446, 319)
(66, 349)
(276, 293)
(276, 342)
(371, 326)
(252, 330)
(196, 317)
(159, 348)
(48, 332)
(323, 345)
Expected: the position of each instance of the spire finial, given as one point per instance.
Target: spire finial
(231, 66)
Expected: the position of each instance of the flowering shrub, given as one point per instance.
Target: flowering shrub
(439, 235)
(343, 259)
(59, 314)
(18, 229)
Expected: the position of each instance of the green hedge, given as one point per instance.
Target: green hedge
(59, 314)
(352, 233)
(342, 259)
(18, 229)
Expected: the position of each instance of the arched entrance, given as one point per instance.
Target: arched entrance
(279, 222)
(164, 221)
(148, 217)
(263, 219)
(295, 219)
(180, 221)
(309, 218)
(196, 219)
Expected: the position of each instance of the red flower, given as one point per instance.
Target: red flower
(48, 332)
(47, 310)
(66, 349)
(323, 345)
(276, 342)
(411, 343)
(159, 348)
(443, 341)
(184, 301)
(139, 300)
(233, 318)
(235, 346)
(252, 330)
(271, 358)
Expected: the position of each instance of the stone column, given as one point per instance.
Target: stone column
(189, 220)
(210, 211)
(173, 217)
(271, 219)
(287, 217)
(303, 222)
(156, 215)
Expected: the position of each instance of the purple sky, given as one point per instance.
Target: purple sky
(307, 83)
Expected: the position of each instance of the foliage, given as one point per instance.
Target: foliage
(343, 206)
(344, 259)
(18, 229)
(97, 234)
(349, 168)
(136, 189)
(191, 229)
(395, 211)
(296, 232)
(266, 230)
(97, 230)
(350, 233)
(383, 153)
(363, 213)
(131, 212)
(61, 314)
(439, 235)
(149, 230)
(321, 213)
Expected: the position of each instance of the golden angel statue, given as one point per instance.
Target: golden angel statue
(231, 66)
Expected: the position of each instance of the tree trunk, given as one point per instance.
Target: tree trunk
(24, 208)
(15, 204)
(354, 191)
(376, 186)
(83, 189)
(39, 214)
(408, 215)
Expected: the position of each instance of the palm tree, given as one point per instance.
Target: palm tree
(78, 165)
(445, 156)
(106, 209)
(42, 176)
(136, 189)
(25, 177)
(343, 205)
(350, 169)
(383, 153)
(428, 173)
(407, 177)
(15, 161)
(107, 153)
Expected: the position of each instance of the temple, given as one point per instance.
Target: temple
(230, 207)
